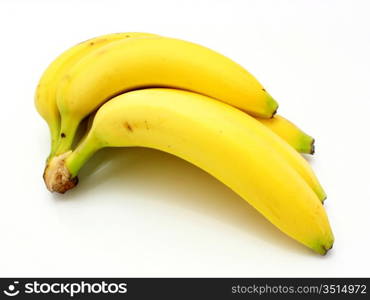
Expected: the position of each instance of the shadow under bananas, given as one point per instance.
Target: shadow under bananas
(158, 173)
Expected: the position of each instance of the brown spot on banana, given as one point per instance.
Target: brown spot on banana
(128, 126)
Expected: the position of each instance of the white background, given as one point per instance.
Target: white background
(138, 212)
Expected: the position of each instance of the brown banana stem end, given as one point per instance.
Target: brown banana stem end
(56, 175)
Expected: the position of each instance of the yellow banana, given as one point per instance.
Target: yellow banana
(222, 140)
(285, 129)
(154, 62)
(45, 98)
(294, 136)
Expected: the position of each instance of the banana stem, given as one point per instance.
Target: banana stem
(54, 129)
(81, 154)
(66, 134)
(61, 171)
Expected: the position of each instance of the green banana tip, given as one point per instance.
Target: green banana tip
(274, 112)
(323, 248)
(306, 144)
(322, 195)
(312, 151)
(272, 105)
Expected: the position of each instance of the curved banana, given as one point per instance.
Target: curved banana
(289, 132)
(45, 97)
(222, 140)
(296, 161)
(294, 136)
(154, 62)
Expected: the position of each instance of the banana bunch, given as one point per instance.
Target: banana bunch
(175, 96)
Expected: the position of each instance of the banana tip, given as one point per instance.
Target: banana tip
(326, 249)
(323, 199)
(274, 112)
(56, 175)
(273, 108)
(323, 246)
(312, 152)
